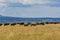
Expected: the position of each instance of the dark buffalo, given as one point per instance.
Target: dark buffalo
(47, 22)
(1, 24)
(26, 24)
(21, 23)
(33, 24)
(13, 24)
(42, 23)
(37, 23)
(6, 24)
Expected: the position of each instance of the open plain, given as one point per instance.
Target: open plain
(39, 32)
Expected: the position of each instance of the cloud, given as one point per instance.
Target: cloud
(35, 11)
(18, 5)
(30, 8)
(21, 3)
(2, 0)
(53, 3)
(31, 1)
(27, 1)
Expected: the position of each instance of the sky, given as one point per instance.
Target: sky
(30, 8)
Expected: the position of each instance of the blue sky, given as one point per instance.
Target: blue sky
(30, 8)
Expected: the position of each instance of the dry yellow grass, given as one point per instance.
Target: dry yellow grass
(39, 32)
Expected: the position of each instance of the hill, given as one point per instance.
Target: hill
(6, 19)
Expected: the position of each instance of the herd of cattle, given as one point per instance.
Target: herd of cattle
(31, 23)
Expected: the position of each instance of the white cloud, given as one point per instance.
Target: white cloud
(29, 1)
(34, 11)
(33, 1)
(3, 3)
(26, 1)
(2, 0)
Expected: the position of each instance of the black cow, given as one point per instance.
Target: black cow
(52, 22)
(33, 24)
(6, 24)
(26, 24)
(13, 24)
(37, 23)
(21, 23)
(47, 22)
(42, 23)
(1, 24)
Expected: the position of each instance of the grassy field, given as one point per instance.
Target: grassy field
(39, 32)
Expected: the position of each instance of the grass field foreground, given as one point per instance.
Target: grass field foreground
(39, 32)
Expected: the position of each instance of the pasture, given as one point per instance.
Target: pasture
(39, 32)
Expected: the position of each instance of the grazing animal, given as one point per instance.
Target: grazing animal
(13, 24)
(57, 22)
(6, 24)
(47, 22)
(51, 22)
(26, 24)
(37, 23)
(54, 22)
(1, 24)
(42, 23)
(17, 23)
(33, 24)
(21, 23)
